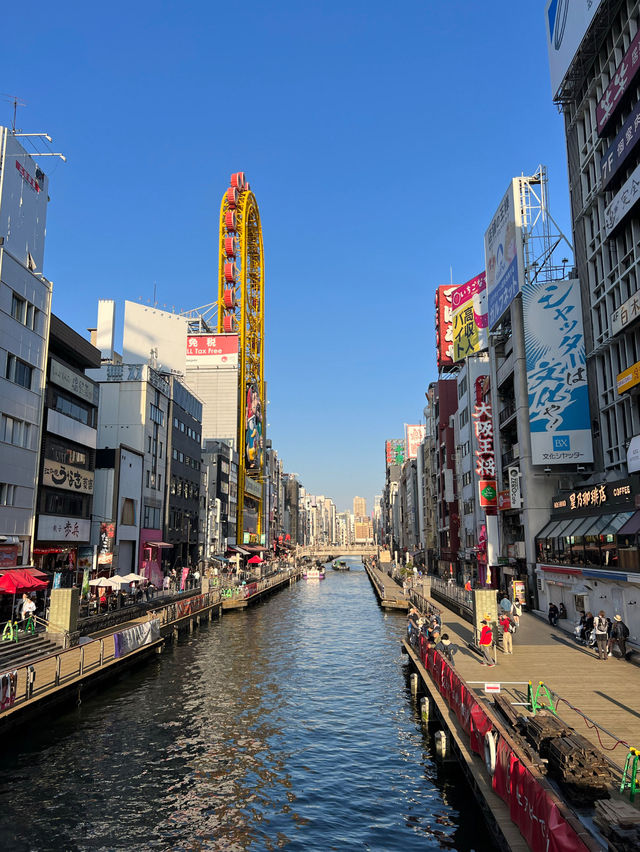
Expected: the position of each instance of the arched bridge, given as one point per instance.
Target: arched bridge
(332, 551)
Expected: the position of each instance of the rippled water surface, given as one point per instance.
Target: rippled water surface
(288, 725)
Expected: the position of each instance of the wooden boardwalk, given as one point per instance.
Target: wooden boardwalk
(388, 592)
(608, 691)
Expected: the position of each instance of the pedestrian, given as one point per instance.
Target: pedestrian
(562, 610)
(619, 636)
(467, 586)
(196, 577)
(447, 649)
(586, 620)
(166, 583)
(486, 642)
(600, 627)
(28, 607)
(507, 641)
(516, 612)
(553, 614)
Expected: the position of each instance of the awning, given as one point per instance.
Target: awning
(548, 531)
(35, 572)
(239, 550)
(632, 526)
(571, 527)
(157, 544)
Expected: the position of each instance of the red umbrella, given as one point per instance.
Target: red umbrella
(255, 560)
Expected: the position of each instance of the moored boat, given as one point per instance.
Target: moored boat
(314, 573)
(340, 565)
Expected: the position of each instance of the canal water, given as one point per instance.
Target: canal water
(287, 726)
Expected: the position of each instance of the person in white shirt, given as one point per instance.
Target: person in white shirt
(28, 607)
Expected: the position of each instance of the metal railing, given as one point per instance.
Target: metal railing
(452, 592)
(239, 592)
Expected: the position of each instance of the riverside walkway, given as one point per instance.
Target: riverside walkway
(388, 592)
(605, 691)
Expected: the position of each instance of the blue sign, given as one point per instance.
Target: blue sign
(503, 292)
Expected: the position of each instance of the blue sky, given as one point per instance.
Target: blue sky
(379, 139)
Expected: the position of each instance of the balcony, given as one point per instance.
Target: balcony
(507, 458)
(507, 412)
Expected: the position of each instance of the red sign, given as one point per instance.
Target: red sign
(8, 555)
(221, 349)
(488, 493)
(504, 500)
(444, 326)
(620, 82)
(27, 177)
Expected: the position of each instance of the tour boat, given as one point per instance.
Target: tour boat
(340, 565)
(314, 573)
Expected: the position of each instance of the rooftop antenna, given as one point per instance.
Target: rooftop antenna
(155, 303)
(16, 101)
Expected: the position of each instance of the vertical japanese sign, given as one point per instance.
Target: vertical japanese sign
(469, 317)
(503, 254)
(414, 436)
(105, 548)
(556, 373)
(485, 458)
(395, 451)
(444, 331)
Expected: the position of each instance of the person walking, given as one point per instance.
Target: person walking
(507, 641)
(486, 642)
(447, 649)
(600, 627)
(516, 612)
(619, 636)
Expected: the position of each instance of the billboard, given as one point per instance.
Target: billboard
(413, 437)
(152, 333)
(622, 78)
(623, 202)
(212, 350)
(629, 378)
(556, 373)
(57, 475)
(253, 430)
(469, 317)
(566, 22)
(624, 143)
(503, 254)
(24, 194)
(444, 331)
(394, 451)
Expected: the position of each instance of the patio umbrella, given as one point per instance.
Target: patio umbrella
(19, 581)
(133, 578)
(255, 560)
(104, 581)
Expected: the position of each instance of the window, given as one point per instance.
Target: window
(466, 478)
(174, 454)
(159, 482)
(72, 408)
(464, 417)
(18, 307)
(148, 478)
(151, 517)
(7, 494)
(19, 372)
(148, 443)
(14, 431)
(181, 426)
(181, 456)
(63, 504)
(173, 485)
(462, 387)
(128, 514)
(156, 414)
(176, 423)
(31, 318)
(160, 453)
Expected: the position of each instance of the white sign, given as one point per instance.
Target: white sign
(625, 314)
(57, 528)
(79, 385)
(58, 475)
(515, 494)
(633, 455)
(567, 22)
(492, 687)
(414, 435)
(622, 202)
(503, 254)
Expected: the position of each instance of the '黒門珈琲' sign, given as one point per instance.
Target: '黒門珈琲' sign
(556, 373)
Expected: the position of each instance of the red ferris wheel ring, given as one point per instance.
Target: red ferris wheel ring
(230, 272)
(229, 297)
(230, 246)
(228, 323)
(230, 220)
(238, 180)
(232, 197)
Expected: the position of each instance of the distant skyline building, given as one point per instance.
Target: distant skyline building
(359, 507)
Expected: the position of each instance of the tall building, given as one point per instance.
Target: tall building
(25, 308)
(67, 465)
(360, 507)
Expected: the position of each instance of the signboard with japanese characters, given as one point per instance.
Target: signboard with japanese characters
(57, 528)
(503, 501)
(613, 497)
(559, 417)
(79, 385)
(444, 332)
(469, 317)
(58, 475)
(105, 547)
(503, 254)
(485, 458)
(622, 78)
(625, 314)
(515, 494)
(628, 379)
(621, 147)
(623, 202)
(212, 350)
(566, 23)
(395, 451)
(414, 437)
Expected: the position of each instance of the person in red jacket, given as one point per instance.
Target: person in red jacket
(505, 623)
(486, 641)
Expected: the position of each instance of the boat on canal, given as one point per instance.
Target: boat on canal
(316, 573)
(340, 565)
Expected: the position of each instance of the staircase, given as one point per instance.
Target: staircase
(29, 648)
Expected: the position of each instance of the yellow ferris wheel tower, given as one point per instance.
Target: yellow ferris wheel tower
(241, 311)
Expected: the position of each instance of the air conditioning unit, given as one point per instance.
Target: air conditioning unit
(540, 584)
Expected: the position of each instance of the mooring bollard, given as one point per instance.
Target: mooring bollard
(414, 684)
(442, 744)
(425, 709)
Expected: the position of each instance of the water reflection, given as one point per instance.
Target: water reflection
(289, 726)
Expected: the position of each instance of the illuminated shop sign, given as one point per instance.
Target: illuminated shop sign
(605, 497)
